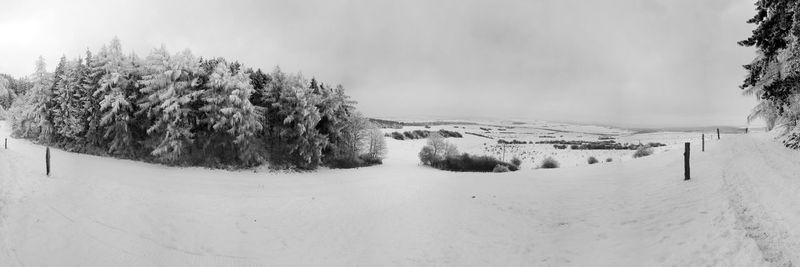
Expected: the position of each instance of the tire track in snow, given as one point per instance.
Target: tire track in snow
(740, 181)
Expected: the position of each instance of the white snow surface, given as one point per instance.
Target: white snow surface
(741, 208)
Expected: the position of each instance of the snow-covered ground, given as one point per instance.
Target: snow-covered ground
(742, 208)
(533, 154)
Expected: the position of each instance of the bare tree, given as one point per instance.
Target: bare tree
(354, 136)
(441, 148)
(438, 144)
(375, 143)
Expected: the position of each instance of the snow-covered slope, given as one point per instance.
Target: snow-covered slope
(741, 209)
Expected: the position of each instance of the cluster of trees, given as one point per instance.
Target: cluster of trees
(422, 134)
(184, 110)
(440, 154)
(774, 75)
(10, 89)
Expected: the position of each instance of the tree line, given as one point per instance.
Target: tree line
(773, 77)
(180, 109)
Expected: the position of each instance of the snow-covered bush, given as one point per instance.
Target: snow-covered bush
(549, 163)
(643, 151)
(792, 139)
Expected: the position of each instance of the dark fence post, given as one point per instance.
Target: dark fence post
(47, 160)
(6, 143)
(686, 163)
(717, 134)
(704, 142)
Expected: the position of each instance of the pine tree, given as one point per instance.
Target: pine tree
(66, 106)
(337, 121)
(777, 30)
(233, 120)
(168, 85)
(52, 109)
(6, 93)
(115, 106)
(774, 75)
(91, 102)
(297, 108)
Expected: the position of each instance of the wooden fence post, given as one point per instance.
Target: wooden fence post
(504, 153)
(6, 143)
(717, 134)
(704, 142)
(47, 160)
(686, 163)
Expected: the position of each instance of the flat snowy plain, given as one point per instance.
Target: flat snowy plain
(742, 208)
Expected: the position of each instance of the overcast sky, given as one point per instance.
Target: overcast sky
(622, 62)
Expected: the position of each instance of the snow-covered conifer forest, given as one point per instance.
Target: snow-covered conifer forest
(182, 109)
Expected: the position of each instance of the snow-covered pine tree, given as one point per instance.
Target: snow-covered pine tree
(66, 107)
(52, 108)
(278, 151)
(29, 112)
(139, 122)
(5, 91)
(336, 110)
(6, 97)
(297, 107)
(91, 103)
(168, 85)
(233, 120)
(115, 106)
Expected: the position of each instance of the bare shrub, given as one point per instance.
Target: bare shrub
(643, 151)
(549, 163)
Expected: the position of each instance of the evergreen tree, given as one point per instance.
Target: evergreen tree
(115, 106)
(91, 102)
(774, 75)
(233, 120)
(168, 85)
(777, 29)
(296, 109)
(54, 106)
(66, 107)
(337, 122)
(6, 93)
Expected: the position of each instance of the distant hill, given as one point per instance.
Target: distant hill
(722, 129)
(399, 124)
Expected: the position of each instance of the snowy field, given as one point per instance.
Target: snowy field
(742, 208)
(533, 154)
